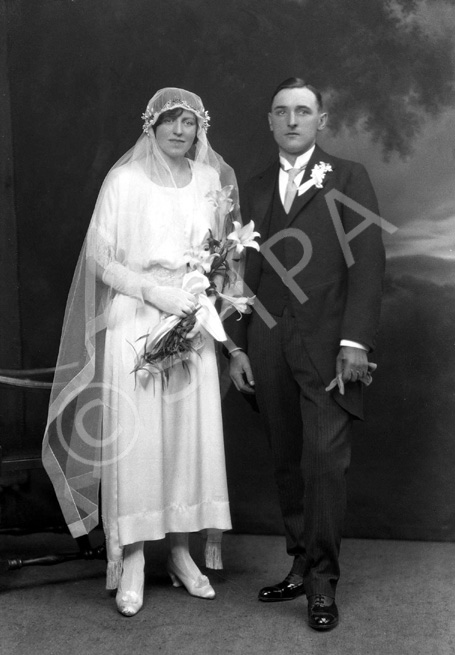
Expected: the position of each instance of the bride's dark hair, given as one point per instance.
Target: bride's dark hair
(172, 113)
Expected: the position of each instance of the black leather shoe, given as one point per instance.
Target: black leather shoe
(321, 614)
(290, 588)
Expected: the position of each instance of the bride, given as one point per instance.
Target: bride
(157, 449)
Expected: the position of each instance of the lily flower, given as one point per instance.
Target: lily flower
(222, 200)
(200, 259)
(244, 236)
(240, 303)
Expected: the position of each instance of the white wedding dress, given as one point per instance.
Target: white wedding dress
(163, 454)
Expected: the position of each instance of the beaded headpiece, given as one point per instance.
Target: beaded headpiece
(150, 116)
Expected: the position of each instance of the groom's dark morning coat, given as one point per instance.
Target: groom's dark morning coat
(308, 429)
(343, 302)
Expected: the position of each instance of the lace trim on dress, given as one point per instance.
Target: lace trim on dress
(213, 558)
(113, 574)
(168, 277)
(104, 253)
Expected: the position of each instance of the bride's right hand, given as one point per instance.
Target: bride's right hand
(171, 300)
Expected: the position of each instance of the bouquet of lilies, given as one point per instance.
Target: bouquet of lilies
(174, 339)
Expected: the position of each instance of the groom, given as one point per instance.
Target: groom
(318, 284)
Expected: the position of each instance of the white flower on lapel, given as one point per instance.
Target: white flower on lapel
(318, 173)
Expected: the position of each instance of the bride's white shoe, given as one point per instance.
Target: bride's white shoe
(129, 602)
(199, 586)
(130, 592)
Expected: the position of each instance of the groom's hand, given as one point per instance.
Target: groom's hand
(240, 372)
(352, 363)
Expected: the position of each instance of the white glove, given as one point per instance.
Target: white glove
(170, 300)
(122, 279)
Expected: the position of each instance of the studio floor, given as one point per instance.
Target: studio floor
(395, 597)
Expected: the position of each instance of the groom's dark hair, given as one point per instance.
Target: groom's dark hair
(298, 83)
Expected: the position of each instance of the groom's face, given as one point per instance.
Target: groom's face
(295, 119)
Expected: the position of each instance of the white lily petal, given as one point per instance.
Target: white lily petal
(195, 282)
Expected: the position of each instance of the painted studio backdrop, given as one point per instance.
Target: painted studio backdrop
(76, 76)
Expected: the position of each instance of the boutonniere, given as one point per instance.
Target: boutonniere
(318, 174)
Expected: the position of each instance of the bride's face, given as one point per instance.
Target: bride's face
(175, 136)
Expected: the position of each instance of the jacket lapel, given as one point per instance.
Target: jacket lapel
(300, 201)
(262, 199)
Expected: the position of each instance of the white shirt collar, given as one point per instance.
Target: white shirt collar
(300, 162)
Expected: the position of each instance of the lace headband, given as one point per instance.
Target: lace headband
(150, 117)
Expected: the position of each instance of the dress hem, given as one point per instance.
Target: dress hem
(153, 526)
